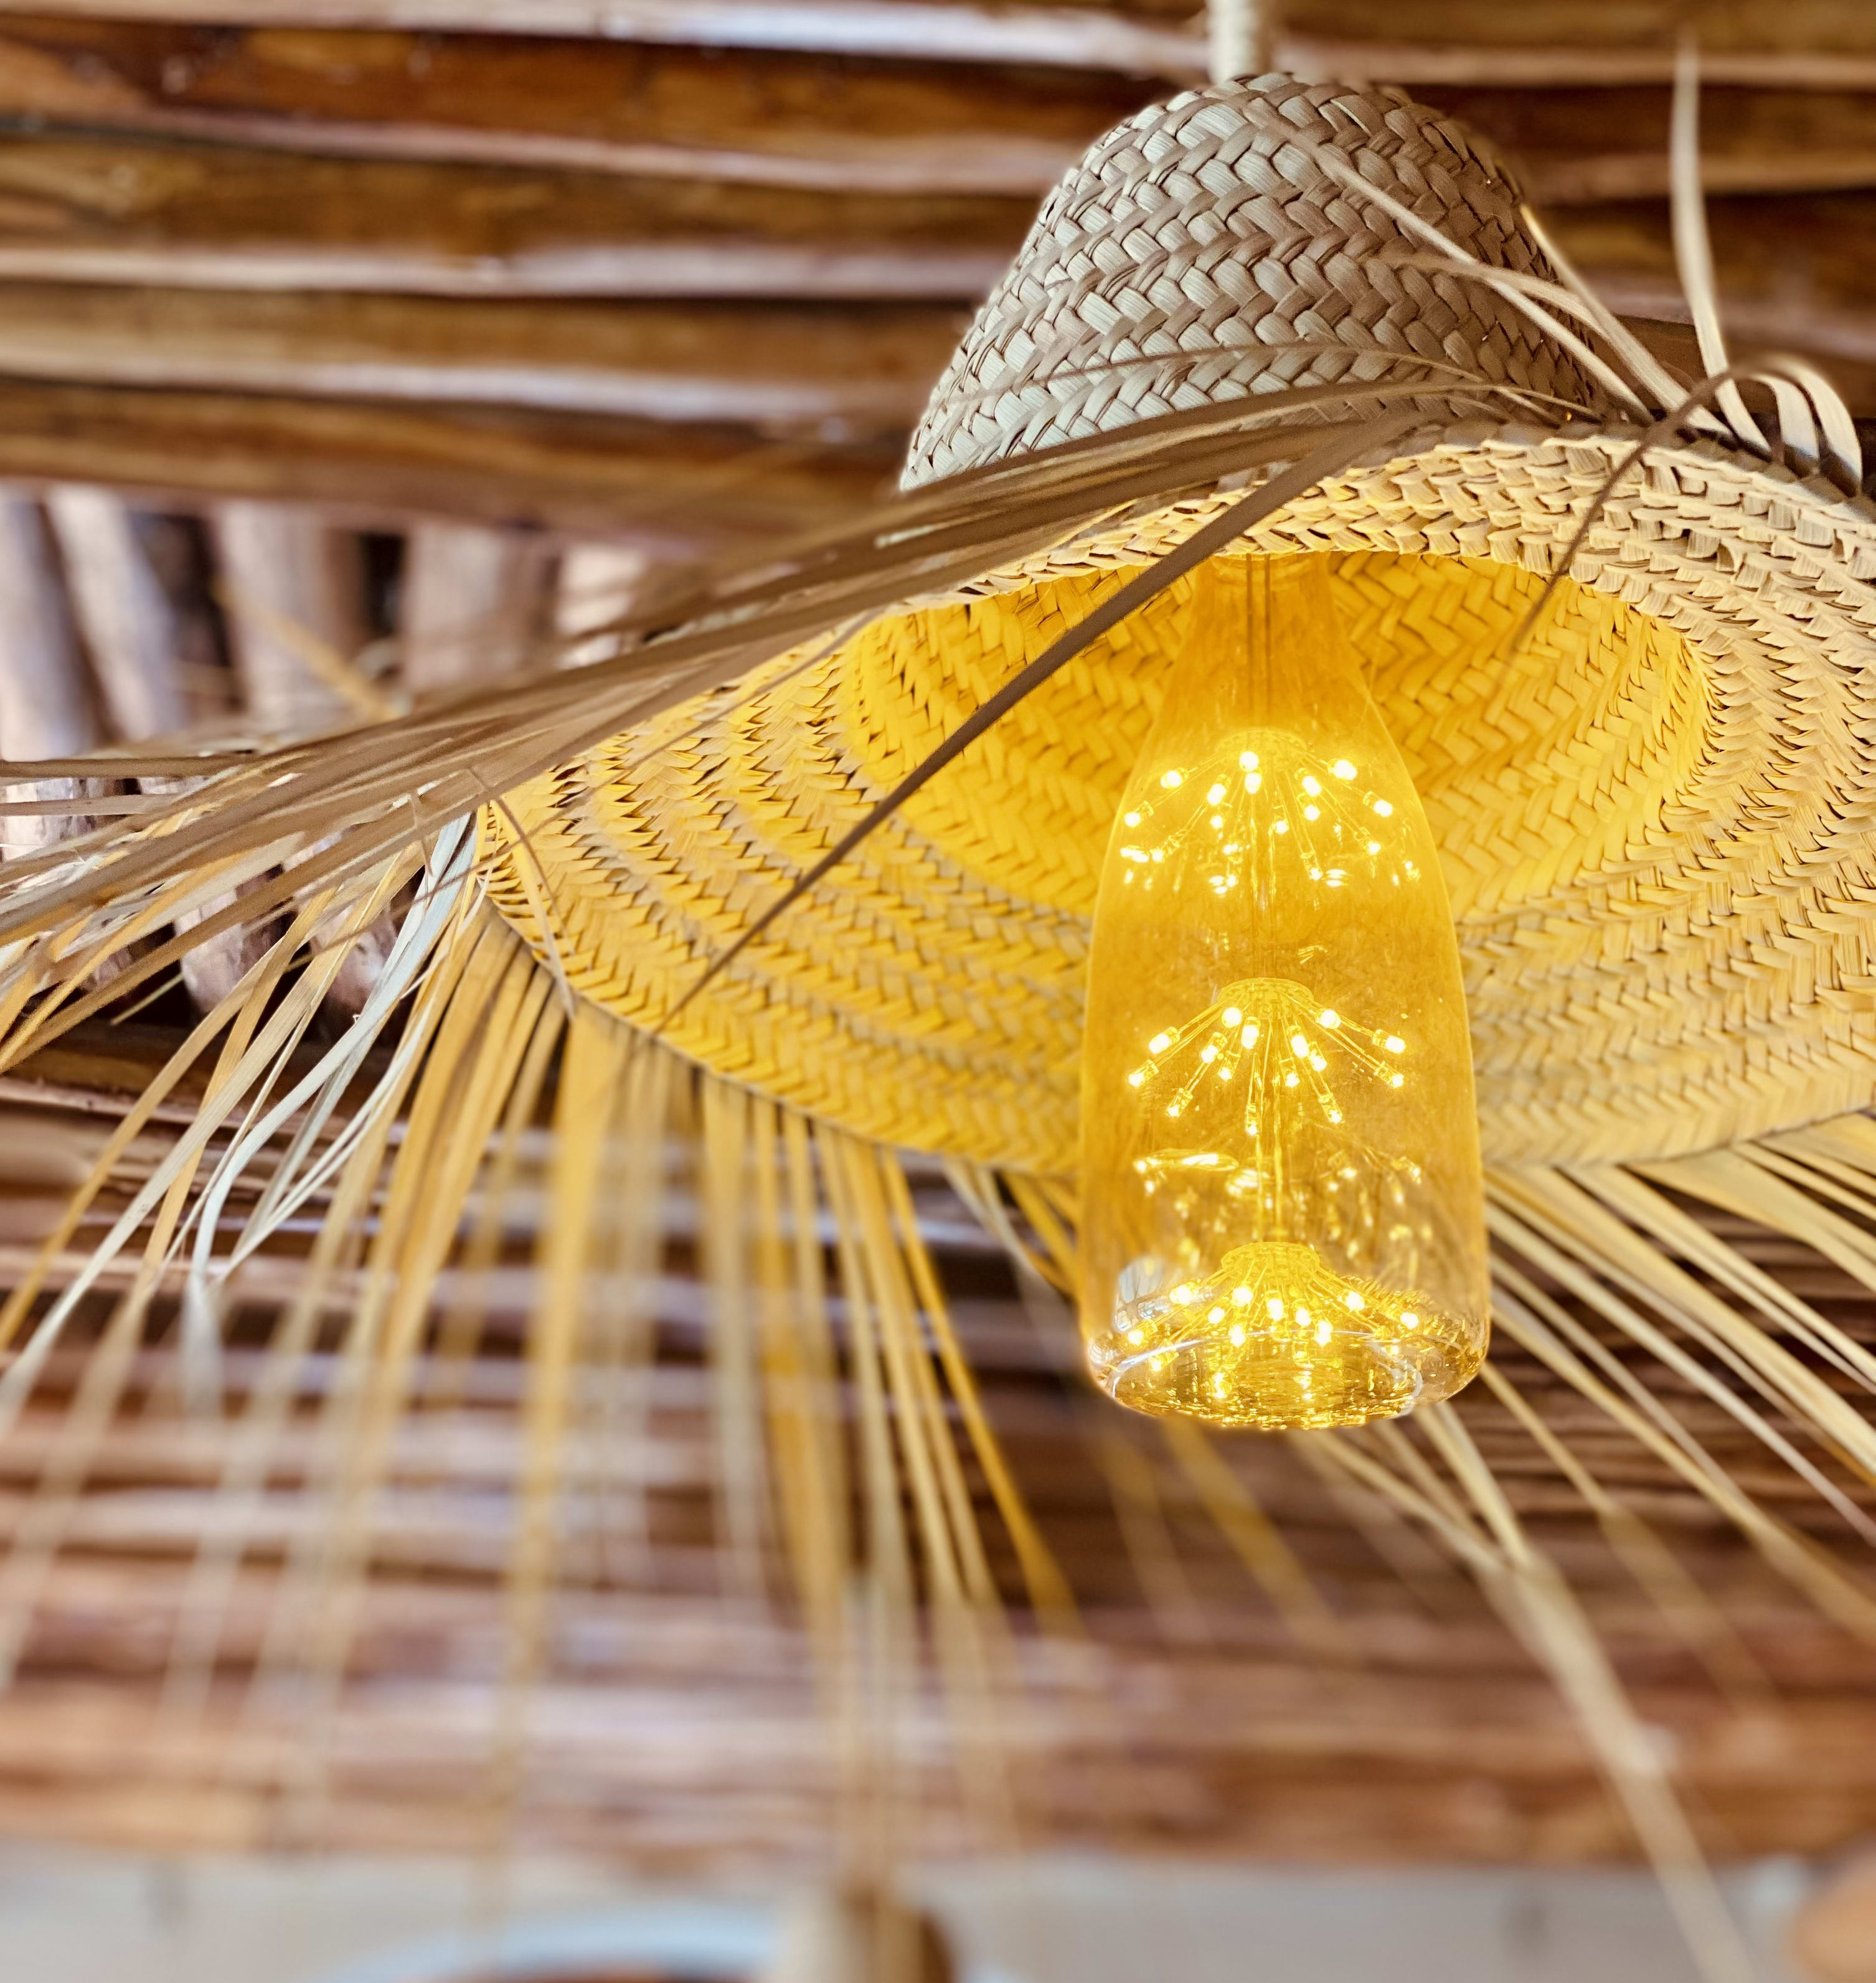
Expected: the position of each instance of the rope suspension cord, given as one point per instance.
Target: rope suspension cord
(1243, 34)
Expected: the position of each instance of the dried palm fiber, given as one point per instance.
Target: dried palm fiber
(1648, 802)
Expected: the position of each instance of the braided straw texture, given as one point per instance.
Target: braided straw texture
(1204, 250)
(1655, 815)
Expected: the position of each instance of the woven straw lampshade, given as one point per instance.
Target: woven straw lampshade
(1652, 805)
(1652, 799)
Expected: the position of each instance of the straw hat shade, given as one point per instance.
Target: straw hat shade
(1653, 807)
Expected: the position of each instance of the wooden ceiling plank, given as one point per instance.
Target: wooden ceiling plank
(289, 579)
(1797, 273)
(88, 209)
(1567, 64)
(46, 707)
(840, 371)
(476, 604)
(130, 629)
(1807, 42)
(1827, 45)
(756, 116)
(635, 483)
(1142, 39)
(1578, 145)
(761, 117)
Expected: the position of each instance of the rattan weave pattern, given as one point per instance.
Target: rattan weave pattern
(1654, 820)
(1201, 251)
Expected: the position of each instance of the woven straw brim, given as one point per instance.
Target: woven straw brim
(1654, 813)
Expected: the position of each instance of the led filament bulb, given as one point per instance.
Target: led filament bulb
(1282, 1220)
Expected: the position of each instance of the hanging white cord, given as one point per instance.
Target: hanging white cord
(1242, 33)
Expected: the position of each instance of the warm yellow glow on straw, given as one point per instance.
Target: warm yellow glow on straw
(1281, 1194)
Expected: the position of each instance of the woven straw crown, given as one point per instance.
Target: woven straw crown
(1653, 811)
(1201, 251)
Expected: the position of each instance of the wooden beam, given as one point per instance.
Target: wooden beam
(46, 708)
(475, 603)
(598, 583)
(1145, 39)
(1824, 44)
(1829, 44)
(87, 210)
(290, 583)
(856, 368)
(757, 115)
(292, 589)
(1774, 64)
(1795, 273)
(669, 492)
(125, 612)
(1579, 145)
(760, 116)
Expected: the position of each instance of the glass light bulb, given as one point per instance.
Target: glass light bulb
(1281, 1210)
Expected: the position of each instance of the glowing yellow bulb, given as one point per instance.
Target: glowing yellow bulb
(1306, 1247)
